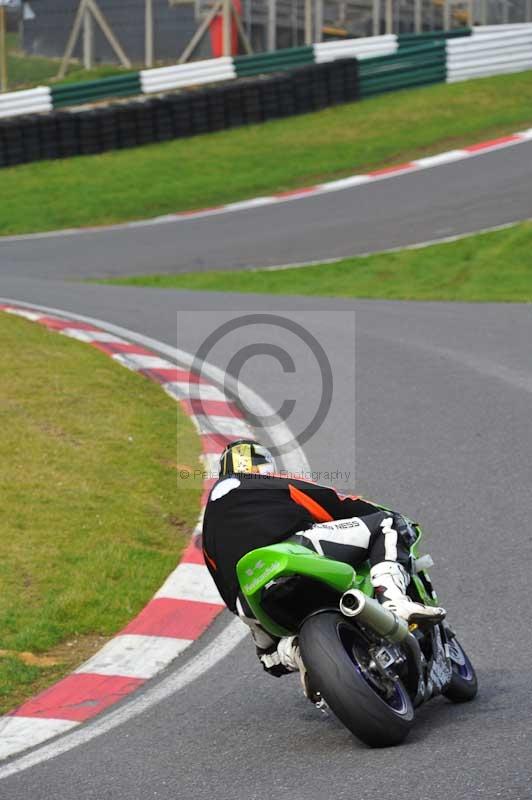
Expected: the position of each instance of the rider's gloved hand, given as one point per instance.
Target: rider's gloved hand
(282, 658)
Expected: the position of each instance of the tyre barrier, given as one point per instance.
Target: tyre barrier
(64, 134)
(340, 76)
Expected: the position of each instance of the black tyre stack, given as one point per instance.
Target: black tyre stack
(62, 134)
(67, 127)
(126, 125)
(89, 133)
(12, 141)
(48, 134)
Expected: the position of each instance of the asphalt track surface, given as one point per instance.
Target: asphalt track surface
(443, 432)
(461, 197)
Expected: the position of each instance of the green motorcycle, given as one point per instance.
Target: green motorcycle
(364, 663)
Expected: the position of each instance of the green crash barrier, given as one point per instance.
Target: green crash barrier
(368, 88)
(411, 39)
(71, 94)
(425, 49)
(414, 66)
(277, 61)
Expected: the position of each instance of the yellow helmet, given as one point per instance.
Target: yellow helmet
(246, 456)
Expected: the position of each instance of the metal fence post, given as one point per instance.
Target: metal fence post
(318, 21)
(148, 32)
(3, 51)
(226, 28)
(446, 15)
(272, 25)
(308, 22)
(88, 40)
(417, 16)
(377, 17)
(389, 16)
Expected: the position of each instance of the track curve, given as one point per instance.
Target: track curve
(450, 199)
(443, 433)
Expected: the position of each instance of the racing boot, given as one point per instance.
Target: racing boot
(290, 657)
(390, 581)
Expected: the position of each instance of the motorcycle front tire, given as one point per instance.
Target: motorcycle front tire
(463, 686)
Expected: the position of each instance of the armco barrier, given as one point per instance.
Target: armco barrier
(211, 71)
(278, 61)
(469, 53)
(490, 54)
(70, 94)
(60, 134)
(163, 79)
(414, 66)
(481, 29)
(367, 47)
(414, 39)
(31, 101)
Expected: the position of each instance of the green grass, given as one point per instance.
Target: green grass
(233, 165)
(25, 71)
(493, 267)
(93, 518)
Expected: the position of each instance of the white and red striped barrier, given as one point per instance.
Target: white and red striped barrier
(187, 602)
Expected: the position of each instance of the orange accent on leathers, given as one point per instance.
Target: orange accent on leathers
(318, 512)
(209, 560)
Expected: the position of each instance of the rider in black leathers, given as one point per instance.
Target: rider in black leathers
(251, 507)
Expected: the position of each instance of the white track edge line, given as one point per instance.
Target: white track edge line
(214, 652)
(414, 246)
(302, 194)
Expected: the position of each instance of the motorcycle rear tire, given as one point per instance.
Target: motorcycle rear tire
(335, 670)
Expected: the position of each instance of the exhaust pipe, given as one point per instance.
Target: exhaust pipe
(355, 603)
(388, 625)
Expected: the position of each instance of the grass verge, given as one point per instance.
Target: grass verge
(92, 517)
(492, 267)
(25, 71)
(233, 165)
